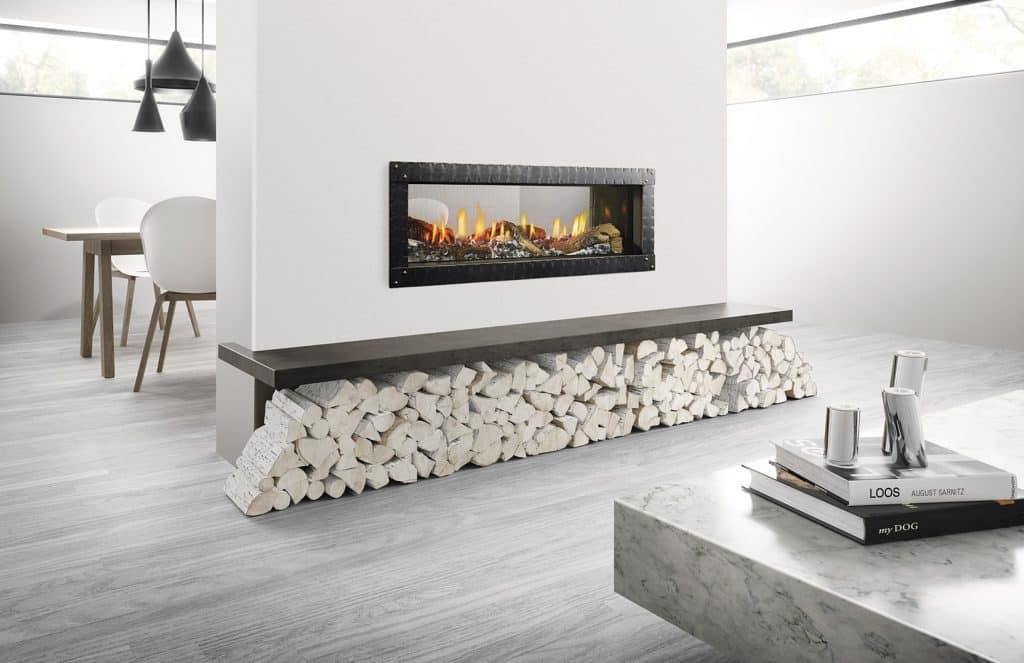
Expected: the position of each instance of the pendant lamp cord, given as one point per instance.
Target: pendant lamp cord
(175, 15)
(202, 37)
(148, 4)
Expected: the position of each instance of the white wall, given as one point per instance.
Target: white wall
(59, 157)
(897, 209)
(348, 86)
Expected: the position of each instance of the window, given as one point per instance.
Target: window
(68, 63)
(967, 40)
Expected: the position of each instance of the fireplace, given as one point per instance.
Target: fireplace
(459, 223)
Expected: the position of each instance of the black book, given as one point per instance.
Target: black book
(884, 522)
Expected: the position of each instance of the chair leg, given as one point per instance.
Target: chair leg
(192, 317)
(167, 335)
(156, 293)
(157, 307)
(95, 316)
(129, 297)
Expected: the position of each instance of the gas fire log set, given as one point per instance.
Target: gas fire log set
(436, 242)
(331, 438)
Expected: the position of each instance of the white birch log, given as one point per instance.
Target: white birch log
(406, 382)
(354, 477)
(315, 451)
(335, 393)
(275, 417)
(320, 473)
(268, 454)
(401, 470)
(461, 376)
(254, 475)
(382, 422)
(376, 476)
(484, 374)
(372, 454)
(365, 387)
(438, 384)
(366, 430)
(647, 417)
(334, 487)
(315, 490)
(392, 399)
(423, 463)
(295, 483)
(249, 499)
(297, 406)
(515, 367)
(499, 386)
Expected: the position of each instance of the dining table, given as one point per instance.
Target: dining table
(98, 245)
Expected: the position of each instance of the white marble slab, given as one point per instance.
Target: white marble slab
(763, 584)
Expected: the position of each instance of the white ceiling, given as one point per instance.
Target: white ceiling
(748, 19)
(117, 16)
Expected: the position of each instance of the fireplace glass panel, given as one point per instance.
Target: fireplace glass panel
(453, 223)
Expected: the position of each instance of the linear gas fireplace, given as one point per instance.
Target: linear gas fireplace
(458, 223)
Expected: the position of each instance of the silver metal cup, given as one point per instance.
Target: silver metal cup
(842, 434)
(908, 369)
(904, 428)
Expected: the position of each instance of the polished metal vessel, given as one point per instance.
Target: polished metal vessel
(908, 369)
(904, 428)
(842, 434)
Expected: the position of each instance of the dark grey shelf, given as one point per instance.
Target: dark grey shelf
(290, 367)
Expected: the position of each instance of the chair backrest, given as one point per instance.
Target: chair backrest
(428, 209)
(123, 213)
(179, 238)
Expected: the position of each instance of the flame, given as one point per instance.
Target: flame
(433, 233)
(522, 221)
(607, 212)
(531, 231)
(461, 228)
(494, 229)
(557, 227)
(481, 222)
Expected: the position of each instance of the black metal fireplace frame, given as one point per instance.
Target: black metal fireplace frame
(403, 173)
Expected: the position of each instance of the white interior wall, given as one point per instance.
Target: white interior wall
(59, 158)
(896, 209)
(581, 82)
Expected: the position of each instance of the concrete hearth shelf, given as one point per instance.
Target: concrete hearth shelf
(290, 367)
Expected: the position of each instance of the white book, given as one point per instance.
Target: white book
(949, 477)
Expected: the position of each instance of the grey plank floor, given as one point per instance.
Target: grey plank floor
(117, 544)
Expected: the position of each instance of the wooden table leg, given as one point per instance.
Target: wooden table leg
(88, 278)
(106, 311)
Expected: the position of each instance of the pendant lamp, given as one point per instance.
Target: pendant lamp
(199, 116)
(174, 69)
(148, 117)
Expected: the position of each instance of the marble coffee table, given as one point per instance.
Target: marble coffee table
(763, 584)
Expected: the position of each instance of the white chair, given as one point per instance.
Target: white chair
(179, 242)
(128, 213)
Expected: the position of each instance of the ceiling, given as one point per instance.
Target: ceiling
(748, 19)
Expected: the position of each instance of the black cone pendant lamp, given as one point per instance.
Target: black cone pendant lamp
(174, 69)
(148, 117)
(199, 116)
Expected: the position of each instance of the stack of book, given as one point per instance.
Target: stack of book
(874, 503)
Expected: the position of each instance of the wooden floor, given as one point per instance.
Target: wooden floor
(117, 544)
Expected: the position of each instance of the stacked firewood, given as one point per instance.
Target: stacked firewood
(342, 436)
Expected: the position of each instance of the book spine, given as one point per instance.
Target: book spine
(937, 523)
(928, 491)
